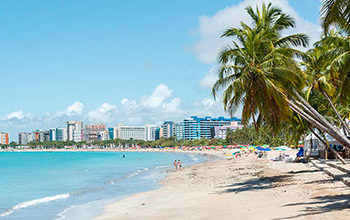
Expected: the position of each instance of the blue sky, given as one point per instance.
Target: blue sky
(131, 62)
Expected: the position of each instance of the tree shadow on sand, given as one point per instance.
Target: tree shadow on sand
(323, 204)
(256, 184)
(304, 171)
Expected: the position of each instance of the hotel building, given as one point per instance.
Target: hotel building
(197, 128)
(130, 132)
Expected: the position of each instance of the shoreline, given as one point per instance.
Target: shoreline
(241, 188)
(96, 205)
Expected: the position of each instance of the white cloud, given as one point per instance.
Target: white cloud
(77, 108)
(104, 113)
(158, 96)
(209, 79)
(208, 103)
(211, 28)
(127, 111)
(17, 115)
(173, 106)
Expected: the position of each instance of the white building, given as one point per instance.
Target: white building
(130, 132)
(24, 138)
(179, 131)
(168, 128)
(151, 132)
(102, 135)
(221, 131)
(75, 131)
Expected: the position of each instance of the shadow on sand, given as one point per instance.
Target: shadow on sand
(323, 204)
(256, 184)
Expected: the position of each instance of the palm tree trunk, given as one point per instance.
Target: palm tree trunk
(336, 111)
(316, 123)
(325, 142)
(340, 137)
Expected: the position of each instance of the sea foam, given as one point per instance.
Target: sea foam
(33, 202)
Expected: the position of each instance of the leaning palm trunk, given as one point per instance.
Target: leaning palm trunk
(313, 120)
(346, 127)
(325, 142)
(307, 112)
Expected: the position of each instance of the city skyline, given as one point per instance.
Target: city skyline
(187, 129)
(75, 59)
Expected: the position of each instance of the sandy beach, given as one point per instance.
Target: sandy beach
(242, 188)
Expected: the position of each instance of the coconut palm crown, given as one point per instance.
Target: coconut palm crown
(258, 70)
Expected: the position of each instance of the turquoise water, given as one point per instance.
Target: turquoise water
(71, 185)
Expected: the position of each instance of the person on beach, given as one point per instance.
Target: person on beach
(179, 164)
(175, 165)
(300, 154)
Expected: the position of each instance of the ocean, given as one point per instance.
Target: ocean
(77, 185)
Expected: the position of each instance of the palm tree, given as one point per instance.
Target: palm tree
(317, 62)
(259, 72)
(336, 12)
(258, 68)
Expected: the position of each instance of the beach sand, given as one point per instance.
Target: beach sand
(243, 188)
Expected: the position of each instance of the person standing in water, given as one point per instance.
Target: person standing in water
(179, 164)
(175, 165)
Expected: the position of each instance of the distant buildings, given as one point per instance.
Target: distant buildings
(179, 131)
(168, 128)
(111, 133)
(24, 138)
(197, 128)
(95, 132)
(75, 131)
(130, 132)
(4, 138)
(58, 134)
(150, 132)
(187, 129)
(220, 132)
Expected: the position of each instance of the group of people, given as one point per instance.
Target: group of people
(177, 164)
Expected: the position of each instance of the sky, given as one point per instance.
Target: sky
(131, 62)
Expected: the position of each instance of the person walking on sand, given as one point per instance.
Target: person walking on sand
(175, 165)
(179, 164)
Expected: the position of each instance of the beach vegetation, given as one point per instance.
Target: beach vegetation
(281, 86)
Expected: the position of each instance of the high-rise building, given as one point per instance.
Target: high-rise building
(102, 135)
(24, 138)
(58, 134)
(168, 129)
(151, 132)
(161, 133)
(46, 136)
(197, 128)
(91, 132)
(64, 134)
(41, 136)
(179, 130)
(4, 138)
(53, 134)
(75, 131)
(130, 132)
(111, 133)
(157, 134)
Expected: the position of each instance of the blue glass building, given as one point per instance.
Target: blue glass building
(111, 133)
(197, 127)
